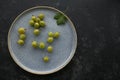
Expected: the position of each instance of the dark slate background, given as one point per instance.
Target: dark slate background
(98, 28)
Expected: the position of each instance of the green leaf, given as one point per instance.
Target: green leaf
(57, 16)
(61, 20)
(64, 17)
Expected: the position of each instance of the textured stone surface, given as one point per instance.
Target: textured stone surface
(98, 27)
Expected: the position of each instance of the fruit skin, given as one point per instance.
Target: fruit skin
(46, 59)
(50, 34)
(22, 36)
(42, 23)
(34, 44)
(20, 42)
(33, 18)
(31, 22)
(50, 39)
(50, 49)
(42, 45)
(41, 16)
(56, 34)
(36, 25)
(21, 30)
(37, 20)
(36, 32)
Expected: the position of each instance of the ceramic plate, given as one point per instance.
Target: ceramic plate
(30, 59)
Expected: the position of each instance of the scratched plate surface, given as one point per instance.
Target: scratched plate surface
(30, 59)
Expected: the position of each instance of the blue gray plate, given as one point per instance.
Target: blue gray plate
(30, 59)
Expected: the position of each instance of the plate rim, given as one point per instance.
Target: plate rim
(35, 71)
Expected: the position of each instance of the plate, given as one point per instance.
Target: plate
(30, 59)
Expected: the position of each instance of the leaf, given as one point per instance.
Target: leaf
(61, 20)
(64, 17)
(57, 16)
